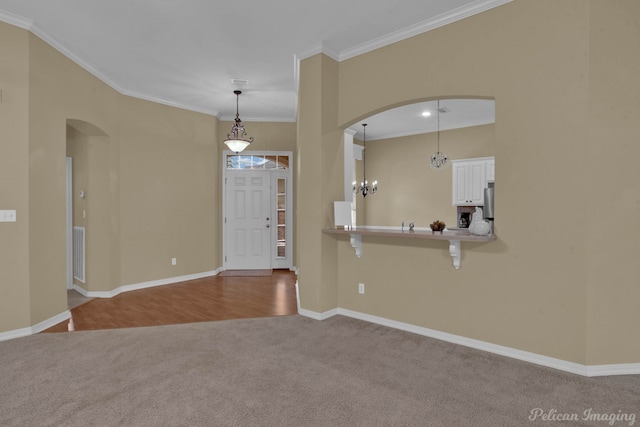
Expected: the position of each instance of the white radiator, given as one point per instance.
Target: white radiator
(78, 253)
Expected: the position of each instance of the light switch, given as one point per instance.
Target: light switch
(8, 215)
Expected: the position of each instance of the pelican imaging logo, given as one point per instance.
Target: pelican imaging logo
(610, 418)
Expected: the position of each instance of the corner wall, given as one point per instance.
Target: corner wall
(319, 175)
(153, 182)
(613, 183)
(15, 310)
(529, 289)
(153, 196)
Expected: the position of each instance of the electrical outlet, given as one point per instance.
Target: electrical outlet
(173, 261)
(8, 216)
(361, 288)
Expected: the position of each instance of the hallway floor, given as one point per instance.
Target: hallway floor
(200, 300)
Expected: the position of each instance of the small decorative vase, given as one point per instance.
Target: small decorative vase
(479, 226)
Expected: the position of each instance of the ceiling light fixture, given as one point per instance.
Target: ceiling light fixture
(438, 159)
(364, 187)
(236, 139)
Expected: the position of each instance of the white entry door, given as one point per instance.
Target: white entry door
(248, 220)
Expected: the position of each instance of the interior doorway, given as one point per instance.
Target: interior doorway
(88, 207)
(257, 210)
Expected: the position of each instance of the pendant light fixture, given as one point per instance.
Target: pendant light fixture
(236, 139)
(364, 187)
(438, 159)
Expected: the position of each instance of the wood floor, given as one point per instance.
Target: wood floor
(200, 300)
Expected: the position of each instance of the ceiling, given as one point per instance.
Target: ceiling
(186, 53)
(408, 119)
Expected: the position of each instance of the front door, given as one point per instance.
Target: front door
(247, 220)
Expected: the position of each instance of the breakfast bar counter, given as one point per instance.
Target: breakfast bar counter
(454, 236)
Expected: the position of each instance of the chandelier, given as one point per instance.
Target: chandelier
(236, 139)
(438, 160)
(364, 187)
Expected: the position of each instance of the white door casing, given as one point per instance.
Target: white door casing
(275, 168)
(69, 221)
(281, 214)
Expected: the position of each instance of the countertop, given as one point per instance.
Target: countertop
(461, 234)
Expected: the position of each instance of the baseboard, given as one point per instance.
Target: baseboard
(52, 321)
(143, 285)
(82, 291)
(317, 316)
(606, 370)
(538, 359)
(23, 332)
(46, 324)
(16, 333)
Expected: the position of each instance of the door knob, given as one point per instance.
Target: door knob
(267, 219)
(268, 226)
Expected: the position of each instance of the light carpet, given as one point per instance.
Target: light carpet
(285, 371)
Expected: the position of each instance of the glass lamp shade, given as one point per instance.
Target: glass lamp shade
(237, 145)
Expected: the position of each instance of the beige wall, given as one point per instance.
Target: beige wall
(613, 182)
(563, 74)
(540, 287)
(168, 184)
(319, 171)
(151, 175)
(14, 178)
(409, 189)
(58, 90)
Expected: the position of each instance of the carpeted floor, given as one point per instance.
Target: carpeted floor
(287, 371)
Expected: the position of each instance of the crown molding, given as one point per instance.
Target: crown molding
(27, 24)
(308, 53)
(396, 36)
(316, 49)
(13, 19)
(422, 27)
(439, 21)
(257, 119)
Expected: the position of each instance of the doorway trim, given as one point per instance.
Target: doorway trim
(69, 220)
(274, 175)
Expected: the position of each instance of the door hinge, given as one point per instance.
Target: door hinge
(225, 258)
(225, 219)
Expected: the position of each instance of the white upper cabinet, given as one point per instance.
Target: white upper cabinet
(470, 177)
(491, 170)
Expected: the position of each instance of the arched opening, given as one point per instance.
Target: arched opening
(399, 143)
(89, 204)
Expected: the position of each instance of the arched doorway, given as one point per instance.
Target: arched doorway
(88, 206)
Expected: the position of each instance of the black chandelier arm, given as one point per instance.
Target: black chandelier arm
(364, 187)
(238, 132)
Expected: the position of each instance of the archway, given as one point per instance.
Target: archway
(88, 207)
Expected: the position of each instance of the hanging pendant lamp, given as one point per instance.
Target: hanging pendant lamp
(438, 160)
(364, 187)
(236, 139)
